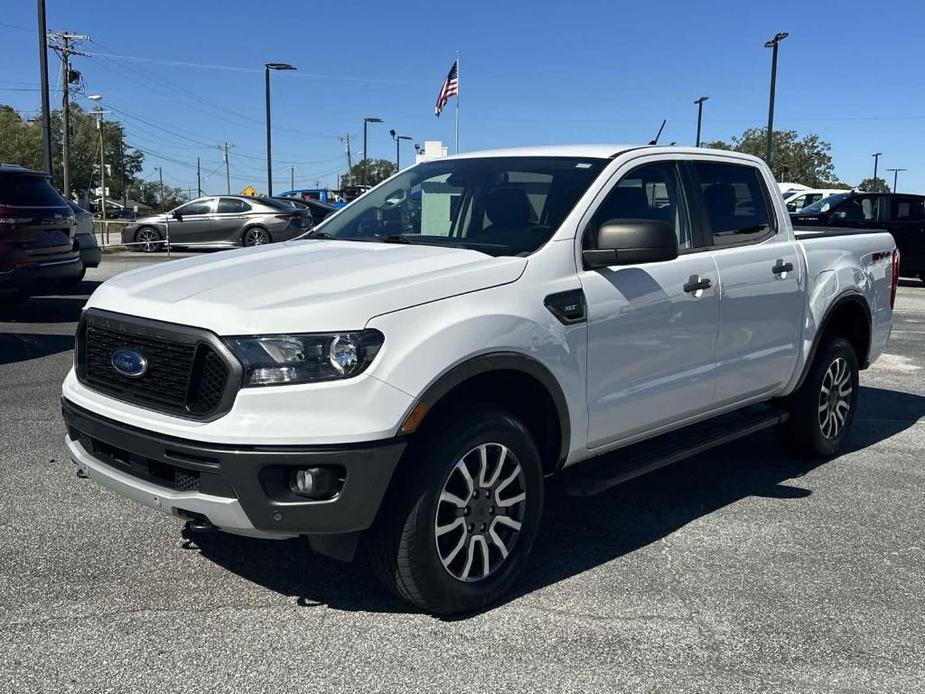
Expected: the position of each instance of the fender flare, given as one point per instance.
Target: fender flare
(505, 361)
(847, 297)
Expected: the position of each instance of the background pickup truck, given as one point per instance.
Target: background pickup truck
(413, 369)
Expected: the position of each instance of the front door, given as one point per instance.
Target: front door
(907, 224)
(651, 334)
(194, 223)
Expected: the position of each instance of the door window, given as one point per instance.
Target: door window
(860, 208)
(232, 206)
(735, 200)
(907, 209)
(650, 191)
(197, 207)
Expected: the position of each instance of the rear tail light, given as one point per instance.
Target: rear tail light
(894, 279)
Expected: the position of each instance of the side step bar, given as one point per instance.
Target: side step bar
(610, 469)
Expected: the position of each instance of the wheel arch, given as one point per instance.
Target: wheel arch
(256, 225)
(849, 316)
(512, 380)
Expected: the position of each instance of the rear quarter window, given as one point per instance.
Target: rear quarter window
(24, 190)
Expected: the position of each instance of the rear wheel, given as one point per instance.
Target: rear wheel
(148, 240)
(256, 236)
(822, 410)
(463, 514)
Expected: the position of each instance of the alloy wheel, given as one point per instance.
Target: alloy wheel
(148, 239)
(256, 237)
(480, 512)
(835, 398)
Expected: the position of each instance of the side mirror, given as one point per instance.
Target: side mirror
(176, 215)
(630, 242)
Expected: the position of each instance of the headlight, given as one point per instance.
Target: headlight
(282, 359)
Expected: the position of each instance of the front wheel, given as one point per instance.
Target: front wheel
(148, 240)
(822, 410)
(462, 514)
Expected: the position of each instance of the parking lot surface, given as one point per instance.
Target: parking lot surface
(737, 571)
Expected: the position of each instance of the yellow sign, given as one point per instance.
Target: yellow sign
(249, 191)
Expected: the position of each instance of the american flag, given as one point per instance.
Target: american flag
(450, 88)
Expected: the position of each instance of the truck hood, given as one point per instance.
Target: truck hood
(303, 286)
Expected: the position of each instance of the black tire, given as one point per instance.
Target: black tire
(256, 236)
(145, 239)
(818, 424)
(406, 553)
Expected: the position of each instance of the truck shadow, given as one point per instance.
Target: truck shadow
(579, 534)
(64, 306)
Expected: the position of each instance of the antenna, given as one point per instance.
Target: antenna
(659, 134)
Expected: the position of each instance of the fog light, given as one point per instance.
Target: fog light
(315, 483)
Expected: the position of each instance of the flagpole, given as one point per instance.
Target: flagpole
(457, 101)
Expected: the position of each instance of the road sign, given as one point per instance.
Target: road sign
(249, 190)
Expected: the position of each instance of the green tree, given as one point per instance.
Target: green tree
(370, 171)
(804, 160)
(21, 143)
(149, 192)
(874, 185)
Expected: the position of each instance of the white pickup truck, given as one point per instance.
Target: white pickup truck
(411, 370)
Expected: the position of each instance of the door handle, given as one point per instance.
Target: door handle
(695, 284)
(782, 267)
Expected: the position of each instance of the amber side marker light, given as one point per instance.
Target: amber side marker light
(414, 419)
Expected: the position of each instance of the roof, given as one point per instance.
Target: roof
(596, 151)
(15, 168)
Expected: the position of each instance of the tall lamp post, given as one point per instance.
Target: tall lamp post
(398, 138)
(772, 44)
(699, 103)
(266, 73)
(896, 176)
(876, 156)
(99, 112)
(366, 122)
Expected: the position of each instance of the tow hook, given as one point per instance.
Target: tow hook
(81, 473)
(199, 525)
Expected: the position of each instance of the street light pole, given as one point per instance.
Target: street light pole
(398, 138)
(266, 70)
(772, 44)
(366, 122)
(876, 156)
(896, 176)
(699, 103)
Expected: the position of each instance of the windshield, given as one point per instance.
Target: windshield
(496, 205)
(825, 204)
(28, 189)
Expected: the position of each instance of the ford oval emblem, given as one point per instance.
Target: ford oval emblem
(129, 363)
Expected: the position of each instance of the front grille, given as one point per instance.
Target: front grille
(185, 372)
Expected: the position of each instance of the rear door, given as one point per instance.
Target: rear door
(761, 285)
(907, 224)
(194, 224)
(230, 218)
(651, 335)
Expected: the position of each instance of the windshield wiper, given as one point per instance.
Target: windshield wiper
(395, 238)
(319, 235)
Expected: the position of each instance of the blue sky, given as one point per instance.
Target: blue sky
(537, 72)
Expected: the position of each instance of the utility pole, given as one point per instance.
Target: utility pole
(122, 157)
(224, 149)
(699, 103)
(63, 44)
(43, 78)
(772, 44)
(291, 178)
(876, 156)
(198, 179)
(346, 141)
(160, 173)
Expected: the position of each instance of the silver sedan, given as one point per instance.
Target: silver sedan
(219, 221)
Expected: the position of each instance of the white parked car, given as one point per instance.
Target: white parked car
(415, 367)
(797, 200)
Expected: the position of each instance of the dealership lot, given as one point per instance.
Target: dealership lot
(739, 570)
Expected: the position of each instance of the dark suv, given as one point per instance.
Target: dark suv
(37, 245)
(901, 214)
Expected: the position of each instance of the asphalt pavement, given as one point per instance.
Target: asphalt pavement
(737, 571)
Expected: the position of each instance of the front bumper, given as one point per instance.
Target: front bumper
(241, 489)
